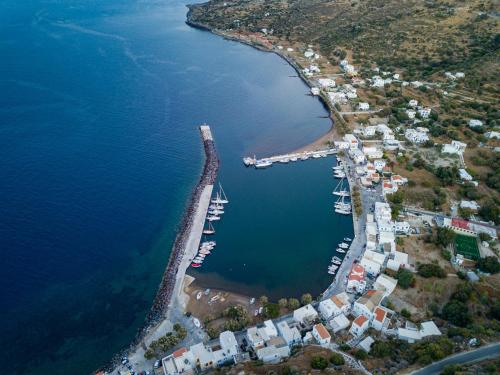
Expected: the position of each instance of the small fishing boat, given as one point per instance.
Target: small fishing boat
(198, 260)
(347, 239)
(198, 295)
(344, 245)
(332, 272)
(214, 206)
(338, 168)
(195, 265)
(249, 161)
(293, 159)
(263, 164)
(209, 230)
(336, 262)
(332, 267)
(339, 175)
(316, 156)
(208, 243)
(323, 155)
(204, 252)
(305, 157)
(342, 211)
(339, 250)
(213, 218)
(284, 161)
(215, 212)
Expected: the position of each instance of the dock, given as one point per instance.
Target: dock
(287, 158)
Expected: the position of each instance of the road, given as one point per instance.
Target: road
(485, 352)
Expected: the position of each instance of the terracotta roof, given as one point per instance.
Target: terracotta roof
(460, 223)
(337, 301)
(179, 352)
(397, 177)
(323, 333)
(387, 185)
(360, 320)
(380, 314)
(357, 273)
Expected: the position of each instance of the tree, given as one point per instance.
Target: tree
(445, 236)
(319, 363)
(490, 211)
(263, 300)
(457, 313)
(360, 354)
(447, 175)
(489, 264)
(149, 354)
(293, 303)
(381, 349)
(271, 310)
(283, 302)
(406, 313)
(306, 298)
(337, 359)
(405, 278)
(430, 270)
(451, 369)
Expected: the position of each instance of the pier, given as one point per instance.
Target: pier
(287, 158)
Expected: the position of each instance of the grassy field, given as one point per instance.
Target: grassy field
(467, 246)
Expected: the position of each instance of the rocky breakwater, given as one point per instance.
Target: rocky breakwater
(209, 174)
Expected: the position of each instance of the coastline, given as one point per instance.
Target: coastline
(170, 295)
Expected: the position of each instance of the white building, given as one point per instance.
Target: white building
(471, 205)
(363, 106)
(352, 140)
(382, 212)
(416, 136)
(203, 357)
(372, 152)
(180, 361)
(337, 97)
(326, 83)
(413, 103)
(369, 131)
(424, 112)
(474, 123)
(290, 335)
(305, 314)
(366, 344)
(464, 175)
(339, 323)
(275, 351)
(315, 91)
(379, 164)
(357, 155)
(411, 114)
(228, 344)
(455, 147)
(255, 338)
(371, 267)
(321, 335)
(380, 318)
(335, 305)
(385, 284)
(356, 280)
(492, 135)
(366, 304)
(359, 325)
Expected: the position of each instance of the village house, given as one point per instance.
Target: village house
(229, 345)
(379, 164)
(337, 97)
(471, 205)
(382, 212)
(369, 131)
(385, 284)
(396, 76)
(377, 81)
(388, 187)
(398, 180)
(359, 326)
(411, 333)
(372, 152)
(399, 259)
(335, 305)
(326, 83)
(424, 112)
(339, 323)
(305, 314)
(363, 106)
(181, 361)
(381, 318)
(290, 335)
(321, 335)
(474, 123)
(366, 344)
(464, 175)
(371, 235)
(275, 351)
(356, 280)
(413, 103)
(204, 358)
(357, 155)
(411, 114)
(391, 144)
(309, 54)
(416, 136)
(455, 147)
(492, 135)
(254, 338)
(366, 304)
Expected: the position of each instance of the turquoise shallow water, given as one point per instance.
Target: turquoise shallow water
(98, 130)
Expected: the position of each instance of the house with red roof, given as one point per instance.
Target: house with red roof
(356, 281)
(359, 325)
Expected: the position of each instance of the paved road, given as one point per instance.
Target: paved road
(485, 352)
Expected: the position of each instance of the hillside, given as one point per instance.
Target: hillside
(418, 37)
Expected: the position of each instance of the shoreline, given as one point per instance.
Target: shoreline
(171, 288)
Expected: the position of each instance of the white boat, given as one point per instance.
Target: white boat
(342, 212)
(332, 272)
(210, 229)
(339, 250)
(293, 159)
(263, 164)
(249, 161)
(252, 301)
(214, 206)
(341, 193)
(204, 252)
(344, 245)
(316, 156)
(196, 322)
(215, 212)
(336, 258)
(223, 198)
(338, 168)
(336, 262)
(198, 260)
(213, 218)
(198, 295)
(208, 243)
(339, 175)
(347, 239)
(323, 155)
(284, 161)
(332, 267)
(305, 157)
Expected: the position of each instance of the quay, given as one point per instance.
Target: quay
(286, 158)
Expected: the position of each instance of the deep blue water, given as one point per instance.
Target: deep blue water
(99, 150)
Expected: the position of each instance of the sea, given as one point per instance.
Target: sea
(99, 151)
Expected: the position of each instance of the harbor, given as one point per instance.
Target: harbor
(287, 158)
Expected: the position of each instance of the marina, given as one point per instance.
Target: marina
(287, 158)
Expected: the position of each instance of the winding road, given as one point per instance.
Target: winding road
(484, 352)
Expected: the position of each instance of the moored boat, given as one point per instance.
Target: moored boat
(195, 265)
(344, 245)
(339, 250)
(213, 218)
(347, 239)
(263, 164)
(209, 230)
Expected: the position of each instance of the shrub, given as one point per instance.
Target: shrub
(381, 349)
(406, 313)
(405, 278)
(271, 310)
(489, 264)
(306, 298)
(319, 363)
(457, 313)
(293, 303)
(360, 354)
(444, 236)
(337, 359)
(431, 270)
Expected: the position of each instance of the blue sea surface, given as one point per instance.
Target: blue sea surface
(99, 151)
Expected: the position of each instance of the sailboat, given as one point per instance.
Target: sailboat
(341, 207)
(223, 197)
(343, 245)
(339, 190)
(213, 218)
(210, 229)
(339, 250)
(215, 212)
